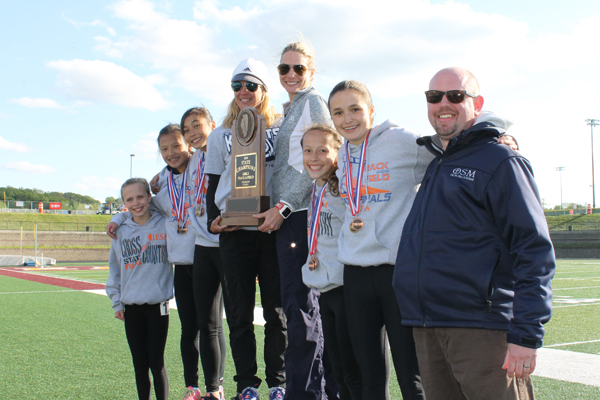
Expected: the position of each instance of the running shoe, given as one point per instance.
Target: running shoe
(192, 394)
(276, 393)
(250, 393)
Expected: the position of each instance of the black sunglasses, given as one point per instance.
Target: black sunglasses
(251, 86)
(299, 69)
(453, 96)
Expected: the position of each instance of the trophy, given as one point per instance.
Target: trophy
(247, 171)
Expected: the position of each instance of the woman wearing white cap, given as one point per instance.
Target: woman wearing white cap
(247, 253)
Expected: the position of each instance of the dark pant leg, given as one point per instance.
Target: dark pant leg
(400, 337)
(367, 330)
(240, 255)
(186, 308)
(208, 298)
(146, 332)
(275, 322)
(135, 330)
(158, 328)
(303, 357)
(338, 346)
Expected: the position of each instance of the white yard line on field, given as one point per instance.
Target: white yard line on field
(568, 366)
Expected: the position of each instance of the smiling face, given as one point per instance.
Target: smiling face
(319, 154)
(137, 200)
(449, 119)
(351, 115)
(174, 151)
(246, 98)
(292, 82)
(196, 130)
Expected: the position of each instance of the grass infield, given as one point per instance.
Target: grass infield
(65, 344)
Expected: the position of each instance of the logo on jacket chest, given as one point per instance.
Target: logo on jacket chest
(463, 174)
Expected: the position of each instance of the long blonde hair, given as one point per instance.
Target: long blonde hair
(264, 108)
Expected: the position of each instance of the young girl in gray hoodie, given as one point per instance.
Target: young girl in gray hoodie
(140, 284)
(322, 272)
(381, 168)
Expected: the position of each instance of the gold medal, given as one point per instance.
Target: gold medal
(356, 225)
(199, 211)
(313, 263)
(181, 229)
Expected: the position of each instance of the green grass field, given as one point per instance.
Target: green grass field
(66, 344)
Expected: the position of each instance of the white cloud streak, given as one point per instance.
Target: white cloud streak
(18, 147)
(103, 81)
(25, 166)
(36, 103)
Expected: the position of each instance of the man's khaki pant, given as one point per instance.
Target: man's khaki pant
(466, 364)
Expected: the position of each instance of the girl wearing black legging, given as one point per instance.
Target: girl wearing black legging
(140, 284)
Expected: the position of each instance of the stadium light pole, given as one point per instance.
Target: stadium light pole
(131, 165)
(592, 123)
(560, 170)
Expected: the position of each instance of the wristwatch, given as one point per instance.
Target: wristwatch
(284, 209)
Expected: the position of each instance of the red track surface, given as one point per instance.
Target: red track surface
(62, 282)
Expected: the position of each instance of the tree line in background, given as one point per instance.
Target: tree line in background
(31, 197)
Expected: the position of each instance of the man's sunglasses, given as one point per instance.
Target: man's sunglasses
(251, 86)
(299, 69)
(453, 96)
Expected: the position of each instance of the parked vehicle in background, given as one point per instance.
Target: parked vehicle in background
(108, 209)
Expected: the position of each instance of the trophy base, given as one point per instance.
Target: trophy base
(240, 210)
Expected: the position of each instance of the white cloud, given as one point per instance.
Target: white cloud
(563, 52)
(146, 145)
(96, 184)
(25, 166)
(102, 81)
(97, 22)
(36, 103)
(18, 147)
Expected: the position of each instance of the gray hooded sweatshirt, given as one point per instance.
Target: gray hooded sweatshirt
(139, 270)
(329, 273)
(180, 245)
(394, 168)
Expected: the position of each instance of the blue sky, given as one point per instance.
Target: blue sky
(85, 84)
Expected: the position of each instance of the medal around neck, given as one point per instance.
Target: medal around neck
(248, 171)
(354, 194)
(356, 225)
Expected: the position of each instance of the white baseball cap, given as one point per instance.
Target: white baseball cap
(250, 70)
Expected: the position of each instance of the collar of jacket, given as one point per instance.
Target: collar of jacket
(476, 132)
(288, 104)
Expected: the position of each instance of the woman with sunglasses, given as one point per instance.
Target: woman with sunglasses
(247, 253)
(292, 190)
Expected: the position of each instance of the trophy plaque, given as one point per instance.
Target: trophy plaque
(247, 171)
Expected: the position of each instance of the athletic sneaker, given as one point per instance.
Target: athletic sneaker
(276, 393)
(192, 394)
(250, 393)
(221, 392)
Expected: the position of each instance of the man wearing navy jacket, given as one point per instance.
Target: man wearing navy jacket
(475, 263)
